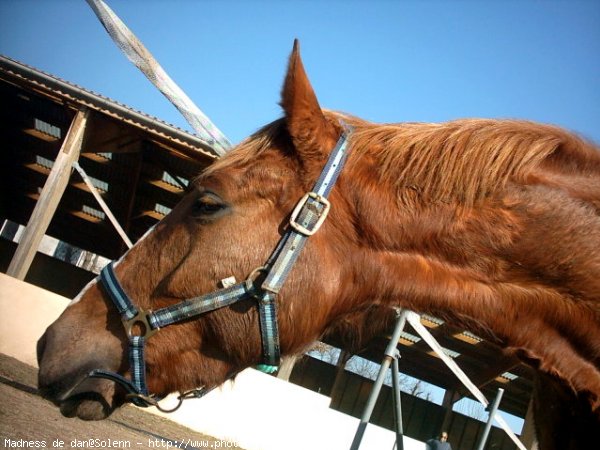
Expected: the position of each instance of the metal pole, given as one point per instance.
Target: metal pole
(493, 408)
(390, 352)
(397, 402)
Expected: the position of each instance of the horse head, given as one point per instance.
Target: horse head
(445, 219)
(226, 225)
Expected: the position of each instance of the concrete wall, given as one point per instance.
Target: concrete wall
(25, 313)
(257, 411)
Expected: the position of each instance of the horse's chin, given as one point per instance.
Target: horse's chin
(89, 399)
(86, 406)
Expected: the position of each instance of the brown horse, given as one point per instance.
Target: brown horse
(492, 225)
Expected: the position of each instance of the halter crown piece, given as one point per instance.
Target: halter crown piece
(306, 218)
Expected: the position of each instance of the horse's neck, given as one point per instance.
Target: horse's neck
(524, 269)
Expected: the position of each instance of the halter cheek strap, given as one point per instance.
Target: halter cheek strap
(149, 323)
(305, 220)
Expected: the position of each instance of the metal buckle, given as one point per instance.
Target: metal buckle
(140, 318)
(322, 214)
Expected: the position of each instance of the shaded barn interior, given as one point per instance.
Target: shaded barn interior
(141, 166)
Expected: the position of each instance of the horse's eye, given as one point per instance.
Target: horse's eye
(207, 205)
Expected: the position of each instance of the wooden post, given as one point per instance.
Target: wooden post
(450, 397)
(49, 198)
(103, 204)
(528, 432)
(287, 365)
(340, 373)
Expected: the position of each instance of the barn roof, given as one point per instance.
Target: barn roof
(71, 94)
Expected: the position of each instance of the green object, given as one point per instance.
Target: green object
(266, 368)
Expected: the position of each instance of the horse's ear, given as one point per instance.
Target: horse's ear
(312, 134)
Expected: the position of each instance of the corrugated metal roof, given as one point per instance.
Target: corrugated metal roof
(19, 73)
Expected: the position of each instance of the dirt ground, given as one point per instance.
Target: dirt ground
(29, 421)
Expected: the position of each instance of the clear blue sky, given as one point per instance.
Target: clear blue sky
(384, 61)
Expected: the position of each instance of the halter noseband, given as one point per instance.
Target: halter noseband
(306, 218)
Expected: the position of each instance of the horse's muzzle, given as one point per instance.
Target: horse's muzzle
(69, 387)
(79, 396)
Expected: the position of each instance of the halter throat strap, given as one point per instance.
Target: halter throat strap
(305, 220)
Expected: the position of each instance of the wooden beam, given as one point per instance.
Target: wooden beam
(49, 198)
(450, 397)
(528, 433)
(286, 367)
(488, 374)
(103, 205)
(340, 372)
(132, 190)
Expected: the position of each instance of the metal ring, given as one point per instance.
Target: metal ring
(249, 282)
(140, 318)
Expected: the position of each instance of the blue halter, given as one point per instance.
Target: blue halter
(307, 217)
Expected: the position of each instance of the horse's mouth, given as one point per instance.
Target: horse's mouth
(87, 399)
(86, 406)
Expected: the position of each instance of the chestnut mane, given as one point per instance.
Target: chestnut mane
(462, 160)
